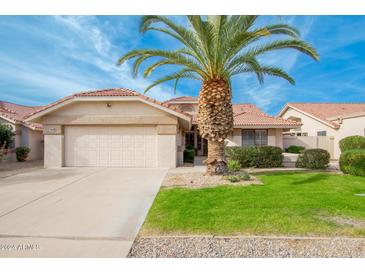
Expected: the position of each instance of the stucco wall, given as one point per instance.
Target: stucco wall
(310, 125)
(26, 137)
(166, 151)
(53, 148)
(34, 140)
(130, 112)
(119, 113)
(349, 126)
(180, 146)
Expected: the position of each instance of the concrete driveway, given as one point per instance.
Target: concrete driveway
(75, 212)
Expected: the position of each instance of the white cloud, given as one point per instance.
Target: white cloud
(106, 54)
(87, 29)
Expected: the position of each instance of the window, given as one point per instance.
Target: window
(254, 137)
(322, 133)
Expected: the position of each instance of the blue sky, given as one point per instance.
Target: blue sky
(44, 58)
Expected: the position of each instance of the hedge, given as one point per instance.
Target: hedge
(353, 162)
(313, 158)
(295, 149)
(22, 153)
(189, 155)
(261, 157)
(352, 142)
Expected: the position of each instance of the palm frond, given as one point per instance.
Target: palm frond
(173, 57)
(184, 73)
(286, 44)
(264, 70)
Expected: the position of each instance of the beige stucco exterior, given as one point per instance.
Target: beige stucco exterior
(166, 136)
(25, 137)
(274, 138)
(349, 126)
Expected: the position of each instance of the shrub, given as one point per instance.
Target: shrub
(238, 177)
(353, 162)
(233, 178)
(352, 142)
(6, 135)
(22, 153)
(314, 159)
(244, 176)
(267, 156)
(295, 149)
(190, 147)
(233, 166)
(189, 155)
(244, 155)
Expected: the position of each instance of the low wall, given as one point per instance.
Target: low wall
(323, 142)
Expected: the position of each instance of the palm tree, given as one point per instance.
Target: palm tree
(213, 50)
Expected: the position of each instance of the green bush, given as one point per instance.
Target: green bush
(238, 177)
(22, 153)
(262, 157)
(314, 159)
(233, 166)
(352, 142)
(6, 135)
(189, 155)
(295, 149)
(353, 162)
(244, 176)
(233, 178)
(190, 147)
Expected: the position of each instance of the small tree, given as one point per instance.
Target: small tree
(6, 136)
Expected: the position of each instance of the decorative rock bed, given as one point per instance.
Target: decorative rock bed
(246, 247)
(197, 179)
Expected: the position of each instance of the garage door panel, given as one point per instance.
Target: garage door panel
(118, 146)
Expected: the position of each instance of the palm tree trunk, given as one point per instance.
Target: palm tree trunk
(215, 122)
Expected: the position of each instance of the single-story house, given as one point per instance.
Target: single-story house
(334, 120)
(252, 127)
(120, 127)
(27, 134)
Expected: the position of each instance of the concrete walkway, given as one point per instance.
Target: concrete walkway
(75, 212)
(10, 168)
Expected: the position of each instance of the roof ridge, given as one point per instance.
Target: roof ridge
(105, 89)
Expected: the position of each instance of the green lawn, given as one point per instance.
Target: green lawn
(286, 204)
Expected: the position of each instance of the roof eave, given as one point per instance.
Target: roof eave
(308, 114)
(35, 117)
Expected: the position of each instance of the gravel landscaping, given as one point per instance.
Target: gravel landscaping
(197, 179)
(246, 247)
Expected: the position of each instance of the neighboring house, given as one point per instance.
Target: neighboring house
(334, 120)
(26, 134)
(120, 127)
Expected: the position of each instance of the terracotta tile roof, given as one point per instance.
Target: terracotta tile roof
(327, 111)
(182, 99)
(238, 108)
(108, 92)
(244, 114)
(17, 113)
(261, 119)
(123, 92)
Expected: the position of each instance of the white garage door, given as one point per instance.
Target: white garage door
(111, 146)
